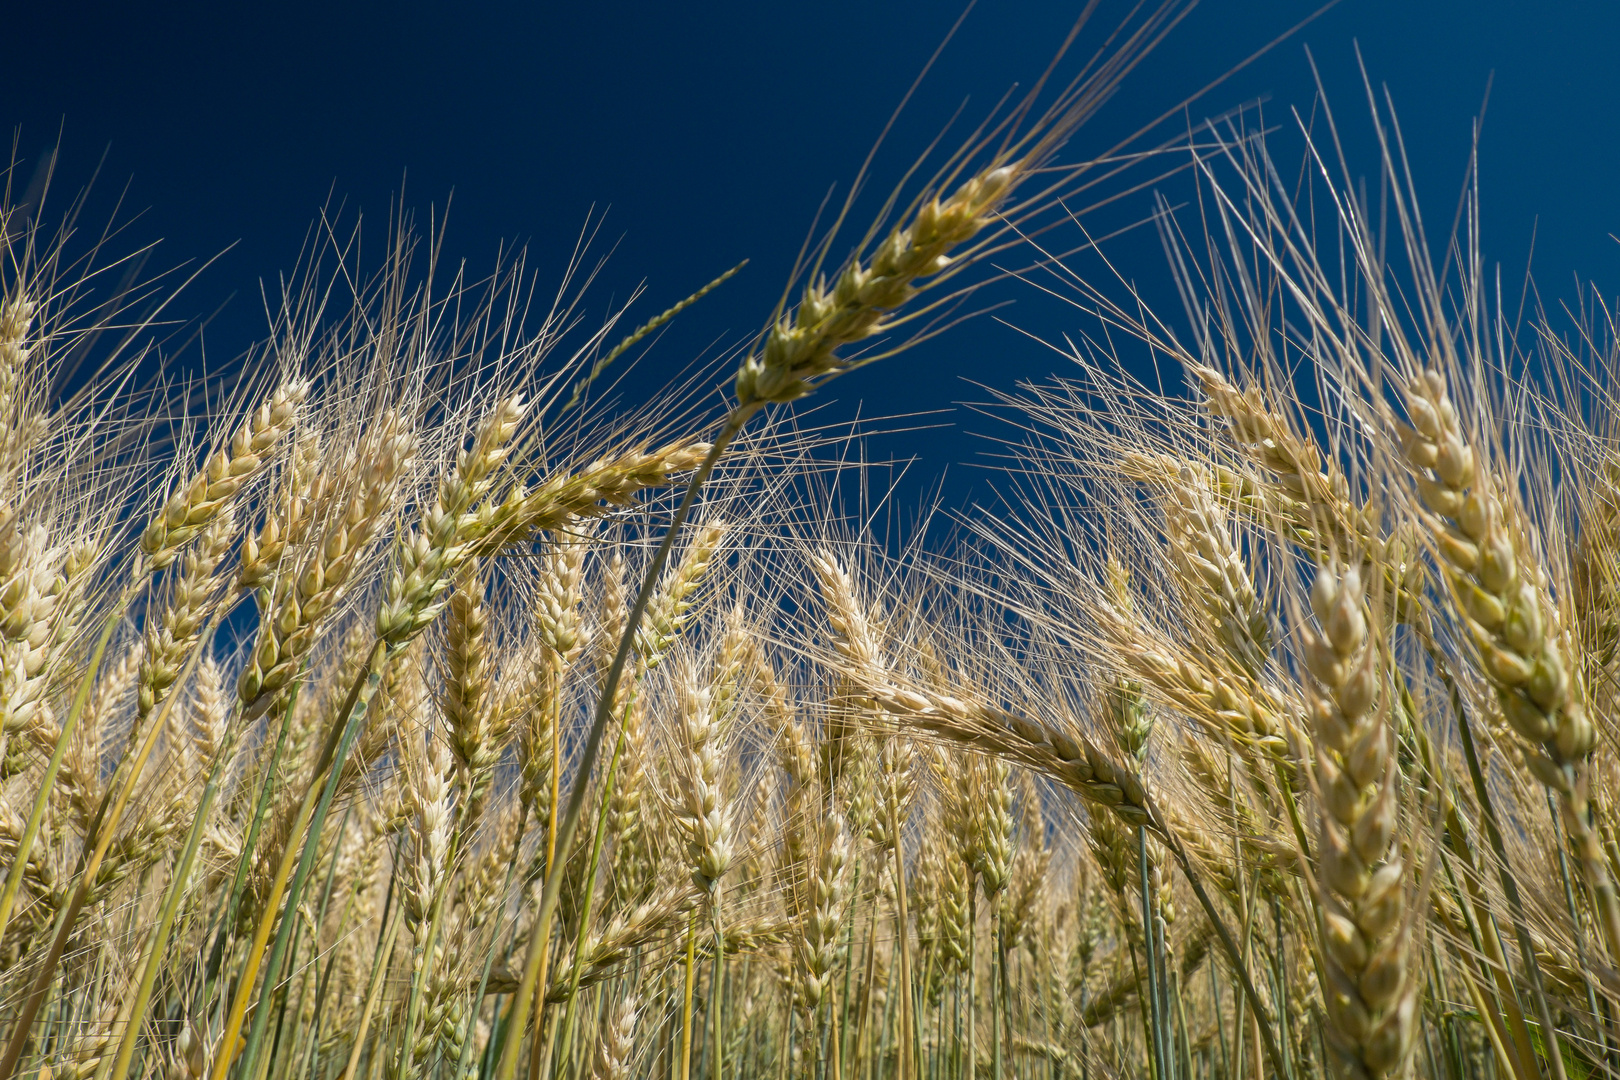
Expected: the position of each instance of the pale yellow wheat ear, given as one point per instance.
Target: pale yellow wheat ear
(191, 509)
(1371, 995)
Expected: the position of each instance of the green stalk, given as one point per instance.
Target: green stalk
(590, 889)
(311, 816)
(422, 951)
(686, 1006)
(489, 958)
(1282, 987)
(1150, 956)
(325, 983)
(158, 940)
(718, 979)
(104, 828)
(849, 969)
(998, 978)
(912, 1042)
(971, 1068)
(261, 809)
(385, 949)
(1575, 920)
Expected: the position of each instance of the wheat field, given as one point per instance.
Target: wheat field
(399, 705)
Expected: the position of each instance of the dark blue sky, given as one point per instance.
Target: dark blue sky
(711, 131)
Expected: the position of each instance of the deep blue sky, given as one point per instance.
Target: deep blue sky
(711, 131)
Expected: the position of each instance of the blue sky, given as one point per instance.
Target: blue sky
(710, 132)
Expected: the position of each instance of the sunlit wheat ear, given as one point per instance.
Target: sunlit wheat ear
(194, 594)
(476, 725)
(1113, 846)
(1029, 879)
(1502, 592)
(1126, 707)
(428, 556)
(612, 606)
(705, 812)
(1074, 762)
(428, 772)
(633, 866)
(35, 581)
(17, 430)
(306, 477)
(990, 824)
(1498, 583)
(607, 947)
(897, 765)
(1306, 490)
(537, 705)
(328, 531)
(193, 508)
(950, 885)
(81, 782)
(617, 1044)
(1371, 997)
(801, 349)
(671, 605)
(795, 750)
(557, 616)
(605, 483)
(1227, 702)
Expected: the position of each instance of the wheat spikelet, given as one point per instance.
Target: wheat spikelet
(614, 942)
(476, 726)
(37, 584)
(17, 430)
(1213, 572)
(670, 607)
(429, 556)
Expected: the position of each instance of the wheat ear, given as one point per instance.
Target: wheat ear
(1502, 593)
(190, 510)
(613, 1052)
(1372, 1000)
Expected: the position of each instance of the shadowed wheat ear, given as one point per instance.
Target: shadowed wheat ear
(1212, 569)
